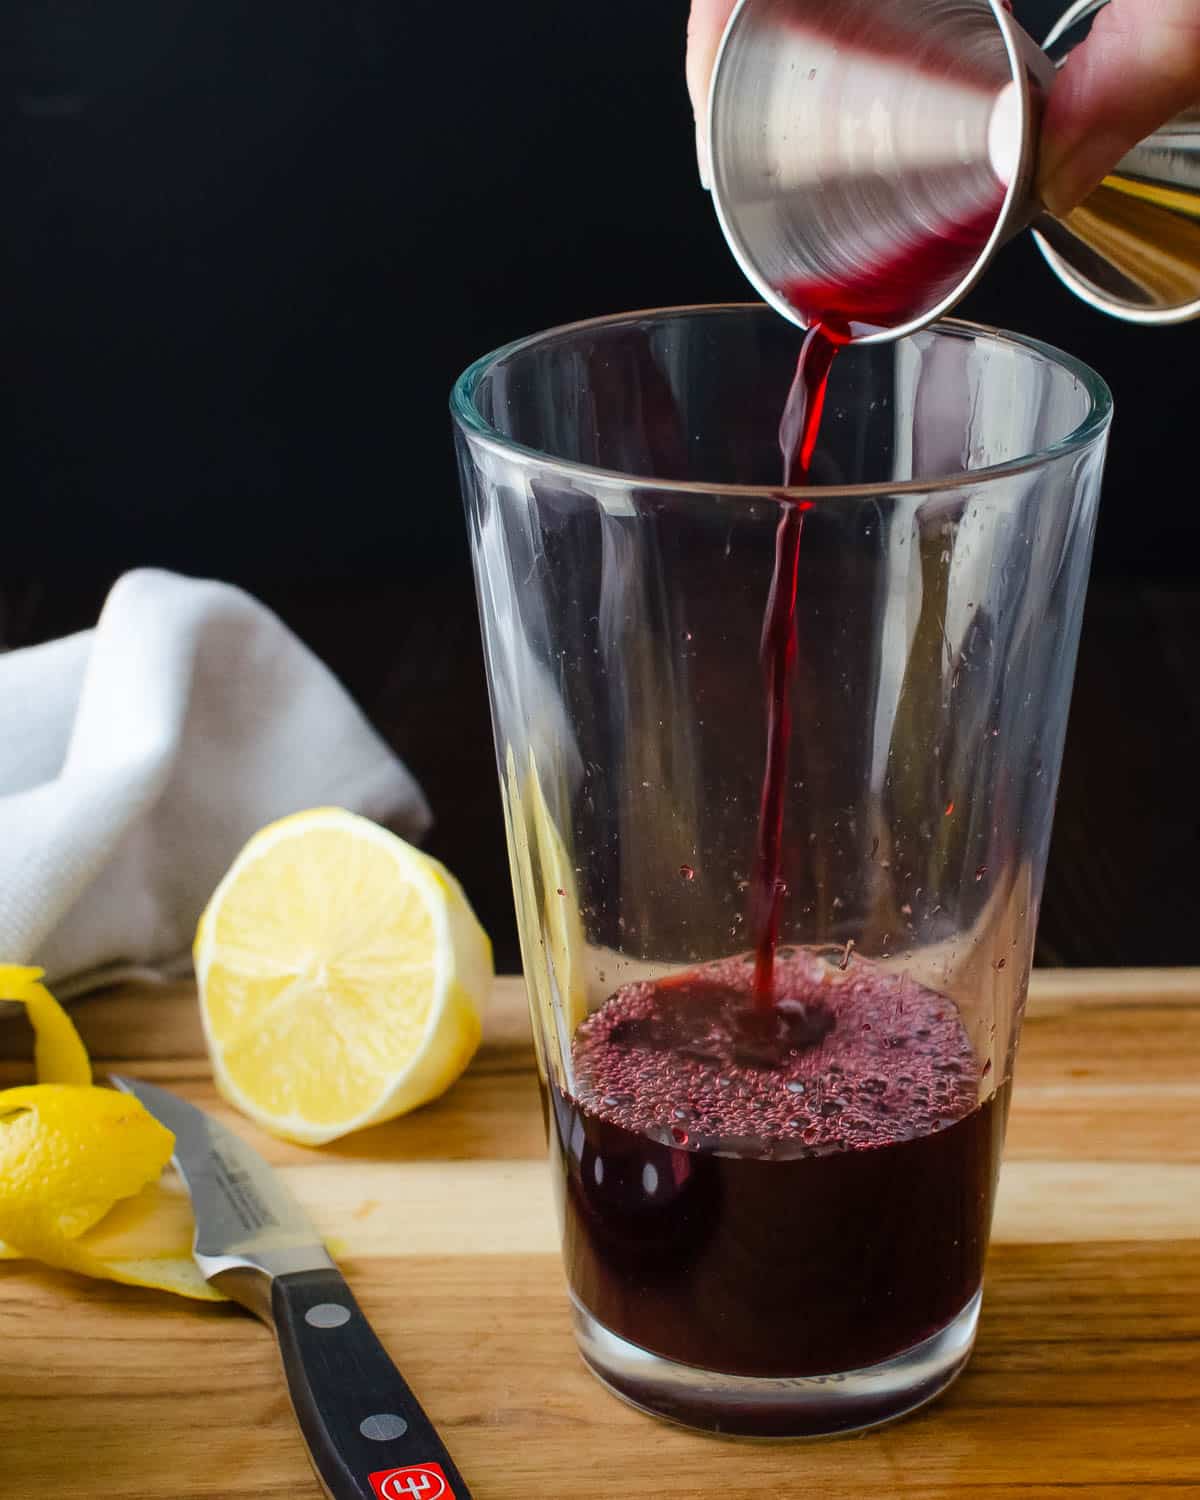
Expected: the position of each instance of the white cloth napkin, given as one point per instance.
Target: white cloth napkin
(137, 758)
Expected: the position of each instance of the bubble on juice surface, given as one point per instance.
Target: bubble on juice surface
(693, 1056)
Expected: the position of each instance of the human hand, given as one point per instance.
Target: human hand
(706, 25)
(1139, 66)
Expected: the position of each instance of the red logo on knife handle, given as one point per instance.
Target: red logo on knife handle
(416, 1482)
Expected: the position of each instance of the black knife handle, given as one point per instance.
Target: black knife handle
(364, 1427)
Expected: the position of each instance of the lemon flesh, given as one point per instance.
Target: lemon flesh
(342, 977)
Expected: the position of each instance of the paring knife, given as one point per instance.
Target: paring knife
(366, 1433)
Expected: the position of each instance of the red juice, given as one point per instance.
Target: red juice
(886, 295)
(801, 1191)
(783, 1165)
(798, 431)
(903, 284)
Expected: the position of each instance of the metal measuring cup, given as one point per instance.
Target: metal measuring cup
(870, 156)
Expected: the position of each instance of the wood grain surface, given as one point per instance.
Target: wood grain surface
(1085, 1380)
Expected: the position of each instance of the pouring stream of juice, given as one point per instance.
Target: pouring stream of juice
(797, 440)
(833, 309)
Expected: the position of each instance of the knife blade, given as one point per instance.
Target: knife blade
(367, 1435)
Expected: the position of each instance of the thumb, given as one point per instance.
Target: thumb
(1138, 66)
(706, 25)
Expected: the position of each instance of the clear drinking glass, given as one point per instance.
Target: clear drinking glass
(777, 1231)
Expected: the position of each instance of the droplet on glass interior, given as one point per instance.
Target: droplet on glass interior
(687, 872)
(1001, 963)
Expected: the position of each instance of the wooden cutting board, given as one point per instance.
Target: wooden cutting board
(1085, 1380)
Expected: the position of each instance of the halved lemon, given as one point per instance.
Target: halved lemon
(342, 977)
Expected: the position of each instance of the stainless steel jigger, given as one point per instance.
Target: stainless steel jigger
(849, 137)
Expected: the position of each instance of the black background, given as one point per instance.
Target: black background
(246, 248)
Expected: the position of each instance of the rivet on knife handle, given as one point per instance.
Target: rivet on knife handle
(366, 1432)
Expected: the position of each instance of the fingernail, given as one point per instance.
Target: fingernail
(702, 158)
(1068, 181)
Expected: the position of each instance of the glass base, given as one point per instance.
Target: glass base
(775, 1407)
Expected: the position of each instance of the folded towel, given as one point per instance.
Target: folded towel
(137, 758)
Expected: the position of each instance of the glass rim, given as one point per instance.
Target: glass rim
(1092, 426)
